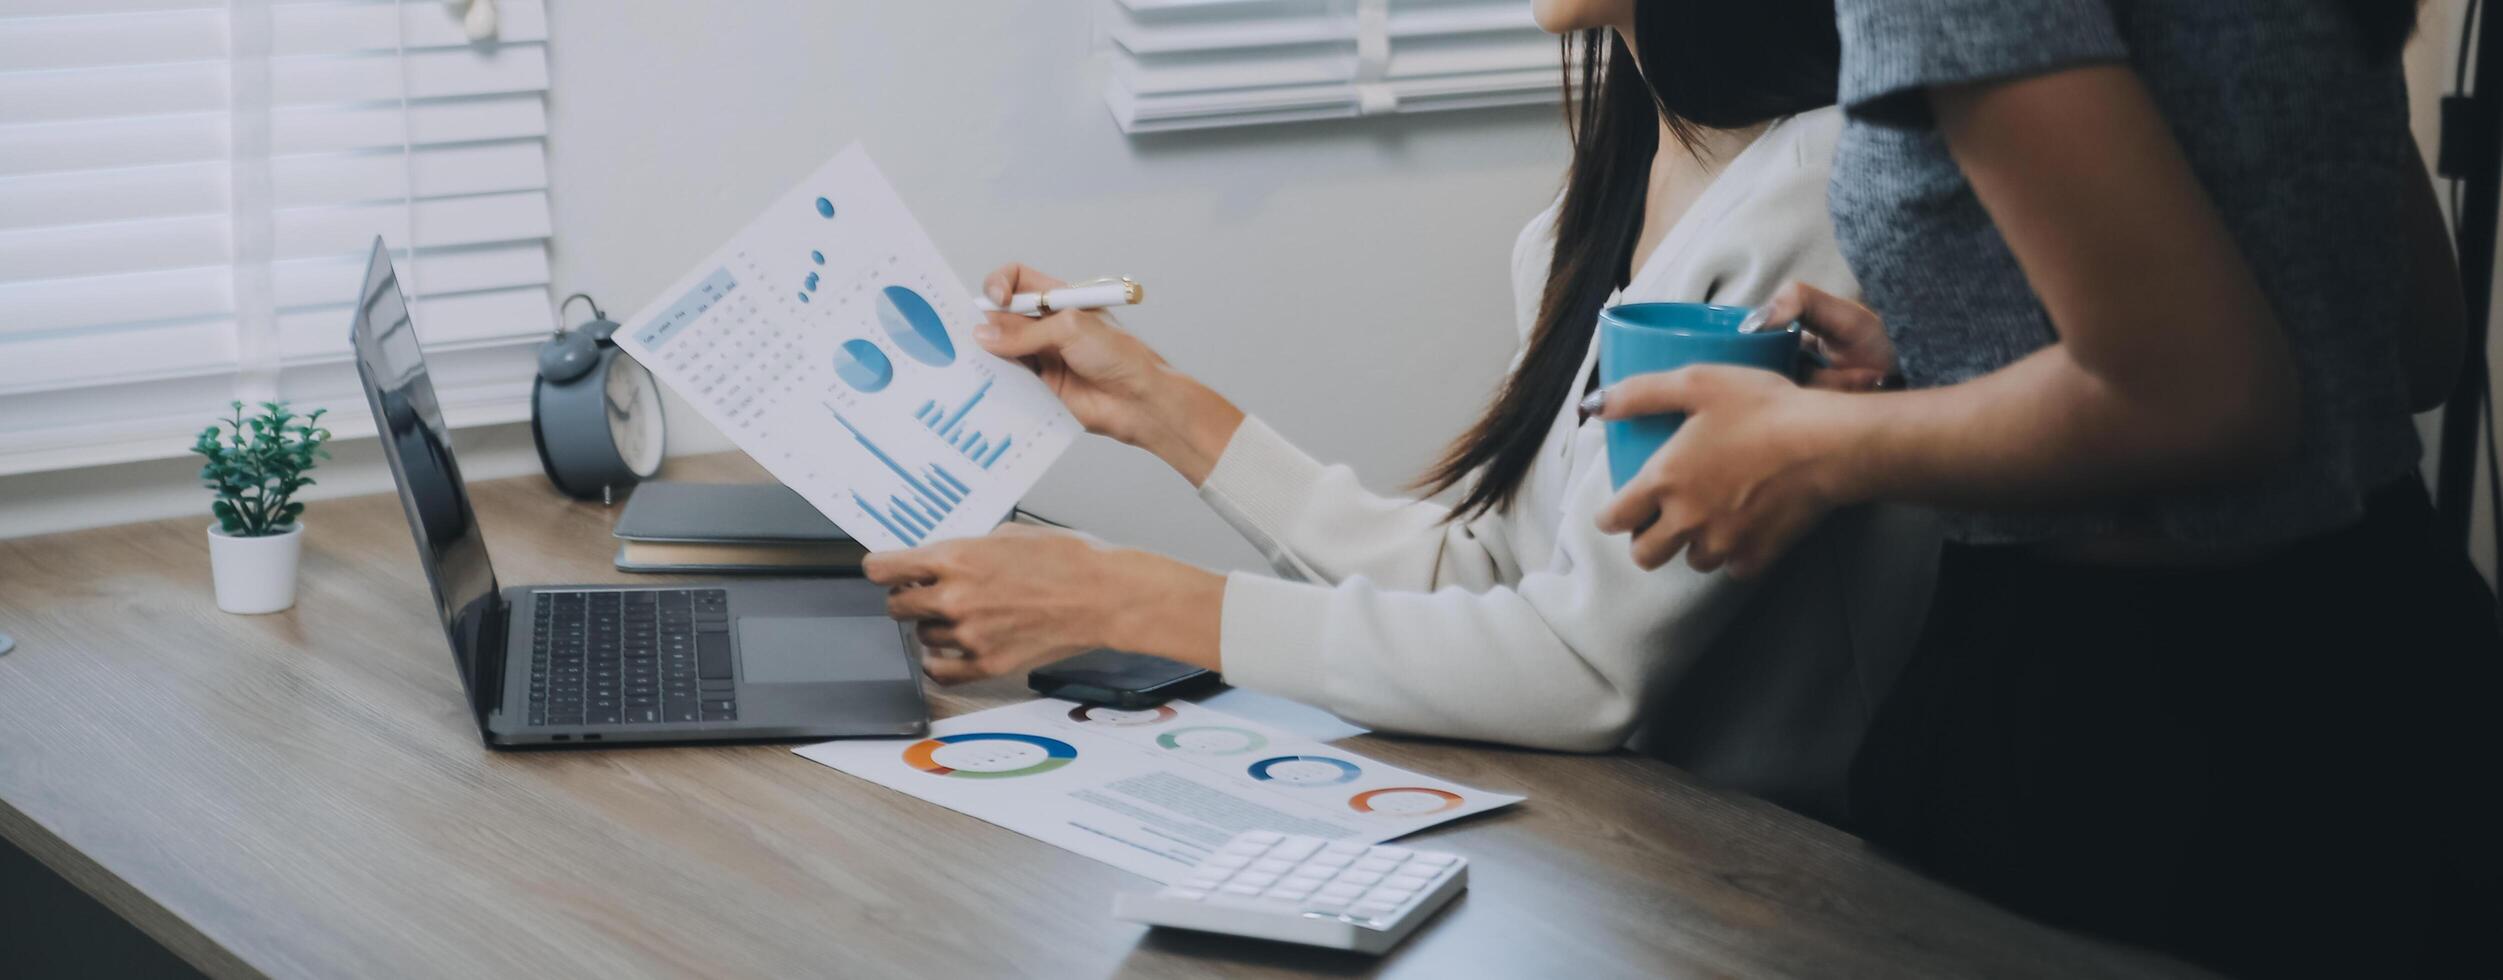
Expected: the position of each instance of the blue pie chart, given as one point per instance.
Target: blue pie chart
(914, 326)
(863, 366)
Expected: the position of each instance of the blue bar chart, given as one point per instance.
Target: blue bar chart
(932, 495)
(949, 424)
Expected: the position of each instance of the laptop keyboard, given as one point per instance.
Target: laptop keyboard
(647, 657)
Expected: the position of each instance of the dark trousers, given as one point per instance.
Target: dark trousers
(2286, 767)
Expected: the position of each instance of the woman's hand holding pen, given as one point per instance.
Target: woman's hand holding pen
(1759, 460)
(1115, 384)
(1023, 596)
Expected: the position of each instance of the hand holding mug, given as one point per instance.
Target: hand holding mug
(1752, 468)
(1716, 452)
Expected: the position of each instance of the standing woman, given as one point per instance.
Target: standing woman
(2168, 279)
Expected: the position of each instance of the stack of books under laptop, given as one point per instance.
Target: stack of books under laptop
(730, 527)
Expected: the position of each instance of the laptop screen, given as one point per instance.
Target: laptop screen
(409, 421)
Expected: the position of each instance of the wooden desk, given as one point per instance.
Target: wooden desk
(303, 795)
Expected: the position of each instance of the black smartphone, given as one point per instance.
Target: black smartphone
(1122, 680)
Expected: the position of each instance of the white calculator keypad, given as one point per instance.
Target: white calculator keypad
(1281, 886)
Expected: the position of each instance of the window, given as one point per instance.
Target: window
(188, 189)
(1192, 64)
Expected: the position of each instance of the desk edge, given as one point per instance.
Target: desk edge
(121, 897)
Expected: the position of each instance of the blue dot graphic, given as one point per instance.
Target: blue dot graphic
(803, 297)
(812, 282)
(819, 256)
(825, 208)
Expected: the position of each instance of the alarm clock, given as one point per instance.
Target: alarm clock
(595, 414)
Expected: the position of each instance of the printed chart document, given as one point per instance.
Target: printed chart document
(832, 343)
(1151, 791)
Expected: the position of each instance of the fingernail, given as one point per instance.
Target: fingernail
(1757, 319)
(1595, 404)
(986, 333)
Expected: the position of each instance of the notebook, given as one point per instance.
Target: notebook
(730, 527)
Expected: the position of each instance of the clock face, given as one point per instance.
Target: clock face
(634, 415)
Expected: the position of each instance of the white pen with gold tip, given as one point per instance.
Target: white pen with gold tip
(1093, 294)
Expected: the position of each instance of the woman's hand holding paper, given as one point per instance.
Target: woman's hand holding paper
(1023, 596)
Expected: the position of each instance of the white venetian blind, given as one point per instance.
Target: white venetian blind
(1191, 64)
(188, 189)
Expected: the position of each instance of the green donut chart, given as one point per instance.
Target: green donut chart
(1213, 740)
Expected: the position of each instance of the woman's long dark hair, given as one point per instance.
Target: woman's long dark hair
(1707, 64)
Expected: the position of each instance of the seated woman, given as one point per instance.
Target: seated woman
(1507, 616)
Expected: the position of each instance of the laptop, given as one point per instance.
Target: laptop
(553, 665)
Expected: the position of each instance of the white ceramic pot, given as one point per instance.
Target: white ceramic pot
(255, 575)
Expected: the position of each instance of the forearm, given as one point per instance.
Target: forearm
(2171, 369)
(1170, 609)
(2043, 432)
(1187, 424)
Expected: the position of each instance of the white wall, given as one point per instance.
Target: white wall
(1345, 280)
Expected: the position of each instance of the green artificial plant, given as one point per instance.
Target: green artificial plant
(256, 463)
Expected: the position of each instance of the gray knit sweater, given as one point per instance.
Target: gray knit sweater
(2299, 138)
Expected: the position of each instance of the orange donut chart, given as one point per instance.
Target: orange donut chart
(923, 755)
(1363, 802)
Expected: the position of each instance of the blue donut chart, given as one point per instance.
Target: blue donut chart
(1347, 771)
(863, 366)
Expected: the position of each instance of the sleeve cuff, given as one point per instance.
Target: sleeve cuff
(1261, 480)
(1893, 51)
(1269, 637)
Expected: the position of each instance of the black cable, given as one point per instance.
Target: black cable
(2485, 386)
(596, 312)
(1038, 518)
(2494, 470)
(2468, 24)
(2459, 87)
(2468, 161)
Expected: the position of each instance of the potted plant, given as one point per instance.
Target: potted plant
(256, 463)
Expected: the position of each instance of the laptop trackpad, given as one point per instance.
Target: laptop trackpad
(821, 650)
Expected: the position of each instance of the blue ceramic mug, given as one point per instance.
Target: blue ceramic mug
(1645, 338)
